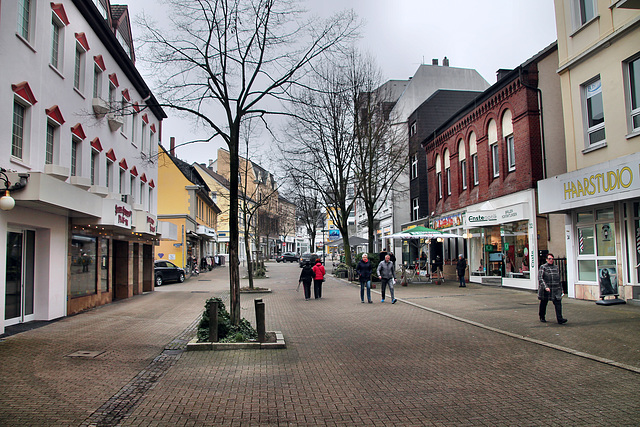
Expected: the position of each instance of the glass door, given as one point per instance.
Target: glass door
(19, 277)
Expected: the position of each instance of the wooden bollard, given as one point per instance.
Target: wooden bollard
(260, 326)
(213, 321)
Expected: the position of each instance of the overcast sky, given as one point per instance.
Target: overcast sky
(402, 34)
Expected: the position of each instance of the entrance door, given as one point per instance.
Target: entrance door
(19, 277)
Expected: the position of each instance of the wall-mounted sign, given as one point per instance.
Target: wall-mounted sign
(498, 216)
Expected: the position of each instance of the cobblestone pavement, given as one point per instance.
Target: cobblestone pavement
(442, 355)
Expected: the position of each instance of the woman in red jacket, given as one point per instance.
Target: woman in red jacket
(318, 278)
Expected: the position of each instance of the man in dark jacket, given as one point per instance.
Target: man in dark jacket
(306, 277)
(364, 269)
(387, 274)
(461, 268)
(550, 288)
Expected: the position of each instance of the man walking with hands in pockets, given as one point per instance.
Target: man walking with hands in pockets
(387, 274)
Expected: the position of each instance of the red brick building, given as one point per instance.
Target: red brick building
(482, 168)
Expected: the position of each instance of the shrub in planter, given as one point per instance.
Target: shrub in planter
(226, 331)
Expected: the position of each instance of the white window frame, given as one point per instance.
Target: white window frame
(439, 182)
(579, 10)
(415, 208)
(124, 115)
(97, 81)
(56, 53)
(20, 139)
(109, 176)
(495, 160)
(413, 128)
(414, 166)
(511, 152)
(463, 172)
(590, 90)
(476, 174)
(76, 157)
(448, 172)
(134, 127)
(632, 86)
(122, 185)
(95, 156)
(26, 20)
(143, 136)
(79, 67)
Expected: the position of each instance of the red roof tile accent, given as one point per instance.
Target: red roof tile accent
(134, 171)
(54, 114)
(24, 91)
(78, 131)
(98, 147)
(82, 39)
(123, 164)
(136, 107)
(145, 118)
(125, 93)
(153, 127)
(114, 79)
(58, 9)
(111, 155)
(152, 184)
(100, 62)
(143, 178)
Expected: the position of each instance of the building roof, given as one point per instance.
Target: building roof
(221, 179)
(441, 106)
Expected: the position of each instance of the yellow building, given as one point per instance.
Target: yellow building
(599, 68)
(184, 199)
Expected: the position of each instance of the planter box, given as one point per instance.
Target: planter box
(193, 345)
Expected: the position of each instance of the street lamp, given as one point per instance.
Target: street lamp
(6, 202)
(324, 251)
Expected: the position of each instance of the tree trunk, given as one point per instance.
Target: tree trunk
(234, 273)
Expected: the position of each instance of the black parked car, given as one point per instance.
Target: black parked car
(287, 257)
(308, 258)
(166, 271)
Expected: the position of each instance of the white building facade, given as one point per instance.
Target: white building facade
(82, 134)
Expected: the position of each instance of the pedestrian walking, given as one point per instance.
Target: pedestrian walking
(461, 268)
(387, 274)
(549, 288)
(364, 269)
(436, 267)
(306, 277)
(318, 278)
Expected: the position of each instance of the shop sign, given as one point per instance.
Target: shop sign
(448, 221)
(145, 222)
(123, 216)
(117, 213)
(609, 181)
(498, 216)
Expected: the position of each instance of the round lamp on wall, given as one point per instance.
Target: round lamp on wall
(6, 202)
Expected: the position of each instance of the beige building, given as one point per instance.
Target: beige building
(599, 68)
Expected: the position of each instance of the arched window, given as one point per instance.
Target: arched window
(492, 131)
(507, 136)
(462, 158)
(473, 152)
(447, 171)
(439, 175)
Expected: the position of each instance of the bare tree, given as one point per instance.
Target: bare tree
(382, 157)
(323, 154)
(309, 209)
(220, 62)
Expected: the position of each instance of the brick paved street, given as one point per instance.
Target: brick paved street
(440, 356)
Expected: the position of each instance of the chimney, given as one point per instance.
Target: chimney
(210, 164)
(172, 146)
(502, 73)
(445, 62)
(434, 61)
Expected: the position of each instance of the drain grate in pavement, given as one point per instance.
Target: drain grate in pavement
(85, 354)
(199, 292)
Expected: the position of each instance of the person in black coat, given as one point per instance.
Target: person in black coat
(306, 277)
(364, 269)
(461, 268)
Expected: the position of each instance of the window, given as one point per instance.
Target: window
(143, 142)
(134, 127)
(123, 114)
(132, 188)
(447, 170)
(18, 137)
(594, 110)
(413, 129)
(634, 93)
(439, 176)
(122, 185)
(83, 269)
(415, 208)
(97, 81)
(596, 249)
(150, 199)
(511, 153)
(56, 40)
(101, 8)
(495, 160)
(476, 178)
(584, 11)
(94, 170)
(462, 158)
(414, 167)
(152, 143)
(78, 69)
(24, 19)
(50, 144)
(142, 200)
(75, 156)
(109, 175)
(112, 96)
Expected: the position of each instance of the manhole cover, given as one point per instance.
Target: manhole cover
(86, 354)
(199, 292)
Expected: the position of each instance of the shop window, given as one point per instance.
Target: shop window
(516, 249)
(104, 265)
(83, 277)
(596, 249)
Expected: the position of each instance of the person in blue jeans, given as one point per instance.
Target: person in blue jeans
(364, 269)
(387, 274)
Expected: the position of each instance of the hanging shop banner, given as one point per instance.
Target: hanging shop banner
(617, 179)
(455, 220)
